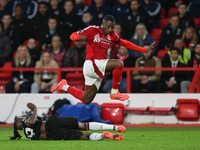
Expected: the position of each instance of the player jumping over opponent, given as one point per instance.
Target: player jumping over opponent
(62, 128)
(99, 39)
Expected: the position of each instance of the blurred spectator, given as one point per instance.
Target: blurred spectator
(29, 8)
(33, 50)
(11, 31)
(79, 7)
(193, 62)
(69, 19)
(170, 32)
(40, 21)
(5, 46)
(132, 18)
(47, 33)
(57, 50)
(140, 37)
(75, 56)
(185, 53)
(146, 79)
(189, 38)
(99, 9)
(86, 20)
(21, 80)
(128, 62)
(54, 8)
(21, 23)
(152, 10)
(186, 19)
(5, 7)
(170, 80)
(44, 80)
(193, 8)
(120, 10)
(110, 3)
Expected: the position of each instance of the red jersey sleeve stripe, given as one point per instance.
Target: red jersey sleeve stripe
(74, 36)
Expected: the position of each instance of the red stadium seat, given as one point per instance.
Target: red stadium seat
(171, 11)
(155, 33)
(161, 53)
(113, 112)
(76, 80)
(162, 13)
(197, 22)
(5, 76)
(2, 88)
(163, 22)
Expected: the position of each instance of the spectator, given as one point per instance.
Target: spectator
(99, 9)
(40, 21)
(33, 50)
(146, 79)
(132, 18)
(79, 7)
(5, 8)
(54, 8)
(47, 33)
(170, 32)
(21, 80)
(86, 20)
(29, 7)
(186, 19)
(152, 9)
(75, 56)
(57, 50)
(120, 10)
(128, 62)
(69, 19)
(11, 31)
(21, 23)
(189, 38)
(193, 62)
(185, 53)
(5, 46)
(170, 80)
(140, 37)
(193, 8)
(44, 80)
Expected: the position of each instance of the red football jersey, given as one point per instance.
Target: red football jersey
(97, 42)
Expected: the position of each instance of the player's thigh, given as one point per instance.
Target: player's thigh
(69, 122)
(112, 64)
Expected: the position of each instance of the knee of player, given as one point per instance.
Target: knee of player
(120, 63)
(87, 100)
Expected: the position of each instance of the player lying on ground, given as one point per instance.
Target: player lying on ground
(62, 128)
(99, 39)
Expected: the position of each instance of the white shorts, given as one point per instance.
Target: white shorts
(91, 78)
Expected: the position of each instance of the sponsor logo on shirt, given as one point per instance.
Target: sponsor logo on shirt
(98, 39)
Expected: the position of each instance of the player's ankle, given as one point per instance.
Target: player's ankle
(113, 91)
(65, 87)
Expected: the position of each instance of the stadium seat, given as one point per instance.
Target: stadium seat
(113, 112)
(171, 11)
(155, 33)
(2, 88)
(163, 22)
(76, 80)
(5, 76)
(162, 13)
(188, 109)
(161, 53)
(197, 22)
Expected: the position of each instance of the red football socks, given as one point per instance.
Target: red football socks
(117, 76)
(76, 93)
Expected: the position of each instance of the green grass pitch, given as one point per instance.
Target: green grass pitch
(135, 138)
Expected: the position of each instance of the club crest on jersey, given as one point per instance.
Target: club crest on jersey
(97, 38)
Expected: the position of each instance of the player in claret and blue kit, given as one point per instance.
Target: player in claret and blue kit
(99, 39)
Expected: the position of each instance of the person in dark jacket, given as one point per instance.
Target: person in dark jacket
(21, 80)
(54, 8)
(33, 50)
(79, 7)
(170, 32)
(132, 18)
(86, 20)
(5, 46)
(5, 7)
(193, 8)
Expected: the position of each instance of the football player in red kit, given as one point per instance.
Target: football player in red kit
(99, 39)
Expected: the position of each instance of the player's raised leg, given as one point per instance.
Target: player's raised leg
(116, 66)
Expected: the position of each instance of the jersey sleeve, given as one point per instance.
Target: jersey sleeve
(86, 31)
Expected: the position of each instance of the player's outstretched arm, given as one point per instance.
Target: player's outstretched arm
(132, 46)
(75, 37)
(33, 117)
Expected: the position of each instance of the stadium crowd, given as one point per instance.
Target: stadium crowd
(35, 33)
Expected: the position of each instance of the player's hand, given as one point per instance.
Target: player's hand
(83, 38)
(150, 47)
(16, 87)
(31, 106)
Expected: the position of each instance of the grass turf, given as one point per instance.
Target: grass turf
(135, 138)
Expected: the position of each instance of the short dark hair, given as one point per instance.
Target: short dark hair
(173, 15)
(175, 48)
(181, 4)
(53, 17)
(87, 12)
(43, 3)
(198, 43)
(109, 18)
